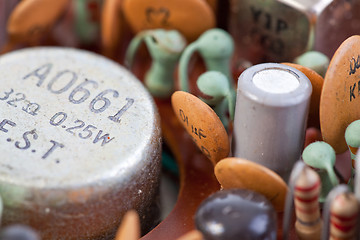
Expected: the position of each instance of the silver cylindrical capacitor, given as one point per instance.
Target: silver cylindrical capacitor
(270, 116)
(80, 143)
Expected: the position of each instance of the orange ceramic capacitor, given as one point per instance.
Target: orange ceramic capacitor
(191, 18)
(192, 235)
(317, 83)
(111, 27)
(244, 174)
(213, 4)
(203, 125)
(130, 227)
(340, 98)
(31, 19)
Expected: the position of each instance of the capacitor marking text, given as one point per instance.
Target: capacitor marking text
(80, 129)
(27, 138)
(81, 92)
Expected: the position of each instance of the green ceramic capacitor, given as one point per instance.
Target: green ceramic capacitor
(352, 138)
(216, 47)
(217, 92)
(165, 48)
(322, 156)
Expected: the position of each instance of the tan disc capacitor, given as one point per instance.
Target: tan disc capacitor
(190, 18)
(80, 143)
(340, 94)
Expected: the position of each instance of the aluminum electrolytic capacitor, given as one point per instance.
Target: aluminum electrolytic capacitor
(270, 116)
(80, 143)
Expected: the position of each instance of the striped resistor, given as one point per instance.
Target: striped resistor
(306, 194)
(343, 216)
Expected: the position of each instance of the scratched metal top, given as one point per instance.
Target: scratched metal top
(96, 124)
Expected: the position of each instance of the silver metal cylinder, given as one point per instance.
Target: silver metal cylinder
(270, 116)
(80, 143)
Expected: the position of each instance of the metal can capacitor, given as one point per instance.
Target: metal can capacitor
(270, 116)
(80, 143)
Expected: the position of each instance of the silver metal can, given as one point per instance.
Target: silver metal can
(270, 116)
(80, 143)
